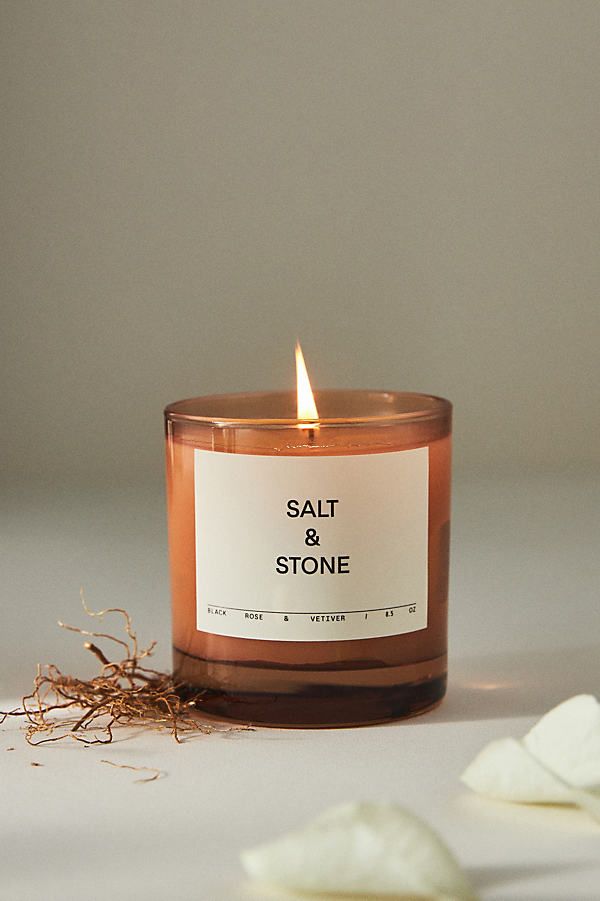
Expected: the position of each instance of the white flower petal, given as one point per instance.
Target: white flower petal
(587, 801)
(555, 763)
(505, 770)
(567, 741)
(366, 849)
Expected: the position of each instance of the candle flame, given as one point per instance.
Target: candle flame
(307, 409)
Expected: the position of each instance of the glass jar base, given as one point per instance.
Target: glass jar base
(295, 697)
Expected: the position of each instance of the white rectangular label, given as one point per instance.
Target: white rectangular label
(311, 548)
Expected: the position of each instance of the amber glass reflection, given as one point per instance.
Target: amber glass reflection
(325, 683)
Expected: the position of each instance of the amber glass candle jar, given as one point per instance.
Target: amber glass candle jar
(309, 562)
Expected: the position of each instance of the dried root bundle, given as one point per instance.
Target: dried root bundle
(124, 693)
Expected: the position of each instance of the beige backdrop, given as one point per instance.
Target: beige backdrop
(410, 187)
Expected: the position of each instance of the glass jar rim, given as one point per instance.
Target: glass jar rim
(203, 410)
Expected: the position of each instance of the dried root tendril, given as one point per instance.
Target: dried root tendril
(124, 693)
(156, 773)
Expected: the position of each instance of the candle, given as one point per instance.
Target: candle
(309, 540)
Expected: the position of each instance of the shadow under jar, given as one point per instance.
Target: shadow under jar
(309, 562)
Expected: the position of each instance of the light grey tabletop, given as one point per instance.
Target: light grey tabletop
(525, 634)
